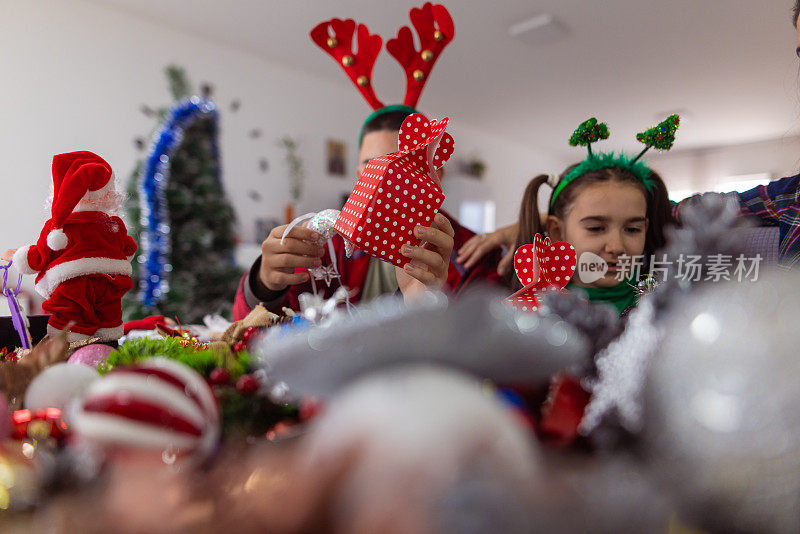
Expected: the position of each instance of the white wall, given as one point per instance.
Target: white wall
(75, 76)
(700, 170)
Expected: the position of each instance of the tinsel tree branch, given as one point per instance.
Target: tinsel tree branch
(179, 86)
(295, 163)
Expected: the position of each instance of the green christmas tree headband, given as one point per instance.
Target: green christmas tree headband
(660, 137)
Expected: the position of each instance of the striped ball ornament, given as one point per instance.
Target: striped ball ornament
(158, 404)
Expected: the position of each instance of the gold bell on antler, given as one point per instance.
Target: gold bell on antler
(347, 60)
(427, 55)
(418, 75)
(439, 36)
(362, 81)
(333, 42)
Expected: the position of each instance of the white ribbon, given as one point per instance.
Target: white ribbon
(331, 253)
(295, 222)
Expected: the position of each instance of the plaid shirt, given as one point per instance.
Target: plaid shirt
(775, 204)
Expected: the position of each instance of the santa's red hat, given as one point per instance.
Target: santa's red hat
(76, 175)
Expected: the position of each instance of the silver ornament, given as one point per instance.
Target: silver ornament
(722, 425)
(323, 223)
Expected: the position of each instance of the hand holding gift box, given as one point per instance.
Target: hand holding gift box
(397, 192)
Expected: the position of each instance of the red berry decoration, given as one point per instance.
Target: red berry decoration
(239, 346)
(250, 332)
(219, 377)
(309, 409)
(247, 385)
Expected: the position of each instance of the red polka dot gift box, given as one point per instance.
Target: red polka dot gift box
(540, 267)
(398, 191)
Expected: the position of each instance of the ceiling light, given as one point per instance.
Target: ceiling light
(540, 30)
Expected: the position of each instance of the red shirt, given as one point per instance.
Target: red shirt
(353, 273)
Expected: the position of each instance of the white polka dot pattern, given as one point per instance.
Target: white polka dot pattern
(544, 266)
(397, 189)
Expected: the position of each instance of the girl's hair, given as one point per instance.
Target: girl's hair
(796, 12)
(659, 212)
(391, 121)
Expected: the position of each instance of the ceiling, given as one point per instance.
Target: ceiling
(729, 64)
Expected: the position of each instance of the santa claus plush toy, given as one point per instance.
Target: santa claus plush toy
(82, 259)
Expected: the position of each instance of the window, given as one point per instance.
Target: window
(741, 183)
(477, 216)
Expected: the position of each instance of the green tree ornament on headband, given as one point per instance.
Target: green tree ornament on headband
(660, 137)
(589, 132)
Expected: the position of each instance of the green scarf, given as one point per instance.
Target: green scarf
(621, 296)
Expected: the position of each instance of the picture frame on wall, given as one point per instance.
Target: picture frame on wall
(264, 226)
(336, 157)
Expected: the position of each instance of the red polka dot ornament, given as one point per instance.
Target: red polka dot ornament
(540, 267)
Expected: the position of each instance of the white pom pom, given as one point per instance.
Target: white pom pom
(57, 239)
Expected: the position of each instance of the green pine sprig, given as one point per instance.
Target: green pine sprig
(589, 132)
(201, 360)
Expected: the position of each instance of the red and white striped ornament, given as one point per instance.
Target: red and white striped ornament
(157, 404)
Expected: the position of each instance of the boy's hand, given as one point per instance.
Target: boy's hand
(279, 261)
(430, 262)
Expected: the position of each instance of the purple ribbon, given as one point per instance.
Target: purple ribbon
(18, 317)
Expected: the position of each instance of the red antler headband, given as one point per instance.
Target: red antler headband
(434, 28)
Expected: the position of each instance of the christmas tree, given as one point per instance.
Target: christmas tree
(180, 216)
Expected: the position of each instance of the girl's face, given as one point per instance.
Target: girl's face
(608, 219)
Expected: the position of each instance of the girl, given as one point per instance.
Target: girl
(607, 212)
(611, 206)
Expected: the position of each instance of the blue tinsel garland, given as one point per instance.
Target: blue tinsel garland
(155, 238)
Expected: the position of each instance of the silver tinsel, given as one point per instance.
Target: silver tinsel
(478, 334)
(598, 321)
(621, 371)
(709, 227)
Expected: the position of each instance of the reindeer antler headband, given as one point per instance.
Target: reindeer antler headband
(434, 28)
(660, 137)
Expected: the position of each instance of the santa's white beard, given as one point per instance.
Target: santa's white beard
(111, 203)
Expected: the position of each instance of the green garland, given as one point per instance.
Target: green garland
(201, 360)
(242, 415)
